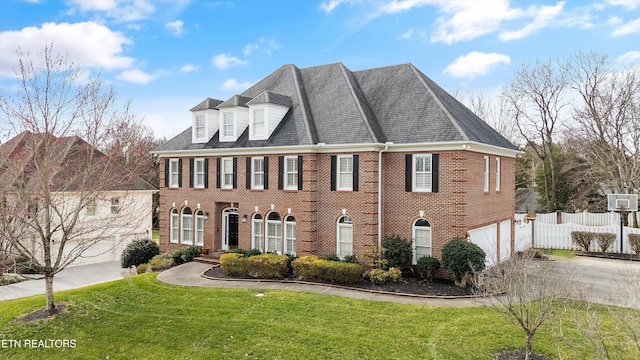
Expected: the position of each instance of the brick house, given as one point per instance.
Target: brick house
(324, 160)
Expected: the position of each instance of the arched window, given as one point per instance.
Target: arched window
(186, 223)
(199, 240)
(274, 232)
(290, 235)
(345, 237)
(256, 232)
(421, 239)
(174, 234)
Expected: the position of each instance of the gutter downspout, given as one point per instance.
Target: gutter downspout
(386, 147)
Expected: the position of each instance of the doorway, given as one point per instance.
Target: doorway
(229, 228)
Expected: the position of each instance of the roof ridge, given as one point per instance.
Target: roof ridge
(306, 116)
(358, 104)
(437, 100)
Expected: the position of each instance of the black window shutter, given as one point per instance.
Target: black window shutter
(434, 172)
(166, 172)
(179, 172)
(334, 161)
(218, 163)
(248, 173)
(266, 172)
(235, 172)
(206, 173)
(280, 172)
(408, 172)
(356, 166)
(191, 170)
(299, 172)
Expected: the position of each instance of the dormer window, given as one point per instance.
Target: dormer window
(227, 125)
(258, 124)
(266, 111)
(200, 128)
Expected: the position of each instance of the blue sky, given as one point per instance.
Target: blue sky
(168, 55)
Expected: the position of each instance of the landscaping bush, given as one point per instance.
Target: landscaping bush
(161, 262)
(380, 277)
(138, 252)
(634, 241)
(583, 239)
(397, 252)
(246, 253)
(267, 266)
(312, 268)
(605, 240)
(185, 254)
(234, 264)
(331, 257)
(142, 268)
(427, 266)
(350, 259)
(462, 257)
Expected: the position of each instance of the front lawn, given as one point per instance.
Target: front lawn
(142, 318)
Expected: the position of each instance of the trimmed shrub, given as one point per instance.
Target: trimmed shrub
(312, 268)
(142, 268)
(138, 252)
(189, 252)
(234, 264)
(397, 252)
(380, 277)
(634, 241)
(267, 266)
(246, 253)
(159, 263)
(176, 256)
(331, 257)
(303, 267)
(461, 257)
(605, 240)
(350, 259)
(427, 266)
(583, 239)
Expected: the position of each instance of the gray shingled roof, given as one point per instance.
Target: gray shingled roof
(333, 105)
(207, 104)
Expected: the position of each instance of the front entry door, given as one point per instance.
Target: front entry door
(229, 228)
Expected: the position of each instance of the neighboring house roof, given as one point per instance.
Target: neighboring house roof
(331, 104)
(69, 158)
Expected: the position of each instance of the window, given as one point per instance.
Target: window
(91, 207)
(187, 226)
(497, 174)
(345, 236)
(486, 173)
(290, 235)
(258, 125)
(291, 172)
(257, 173)
(173, 226)
(345, 172)
(274, 232)
(421, 239)
(227, 173)
(115, 205)
(422, 173)
(174, 173)
(199, 240)
(227, 125)
(256, 232)
(199, 173)
(200, 129)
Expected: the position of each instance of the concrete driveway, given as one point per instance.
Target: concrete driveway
(69, 278)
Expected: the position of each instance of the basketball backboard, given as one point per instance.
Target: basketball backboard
(622, 202)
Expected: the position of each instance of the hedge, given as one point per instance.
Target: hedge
(312, 268)
(263, 266)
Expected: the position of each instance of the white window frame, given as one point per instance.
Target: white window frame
(198, 175)
(200, 127)
(291, 171)
(186, 227)
(414, 235)
(344, 185)
(115, 205)
(290, 235)
(254, 129)
(257, 233)
(257, 173)
(340, 240)
(498, 174)
(486, 173)
(174, 230)
(199, 228)
(224, 173)
(224, 128)
(174, 173)
(427, 173)
(276, 225)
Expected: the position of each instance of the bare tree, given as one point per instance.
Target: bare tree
(61, 196)
(536, 96)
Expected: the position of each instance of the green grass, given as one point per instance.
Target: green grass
(155, 235)
(558, 252)
(142, 318)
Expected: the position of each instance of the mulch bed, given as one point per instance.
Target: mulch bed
(519, 355)
(41, 314)
(439, 287)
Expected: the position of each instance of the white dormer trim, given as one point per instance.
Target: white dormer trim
(238, 117)
(272, 116)
(204, 124)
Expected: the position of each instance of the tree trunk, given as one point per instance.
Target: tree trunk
(527, 354)
(48, 278)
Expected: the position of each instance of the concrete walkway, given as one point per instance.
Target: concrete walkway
(69, 278)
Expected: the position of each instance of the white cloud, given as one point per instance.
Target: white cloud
(249, 49)
(397, 6)
(120, 10)
(413, 34)
(628, 4)
(135, 76)
(175, 27)
(233, 84)
(268, 45)
(475, 63)
(630, 57)
(189, 68)
(543, 16)
(329, 5)
(87, 44)
(627, 28)
(224, 61)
